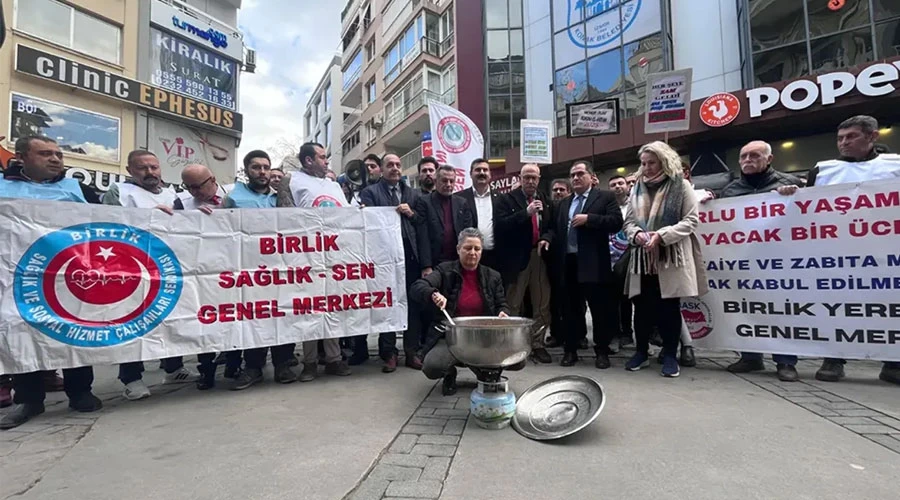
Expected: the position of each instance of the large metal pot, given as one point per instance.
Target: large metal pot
(489, 342)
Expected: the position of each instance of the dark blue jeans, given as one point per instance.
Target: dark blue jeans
(29, 387)
(781, 359)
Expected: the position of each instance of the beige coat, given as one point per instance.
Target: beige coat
(689, 280)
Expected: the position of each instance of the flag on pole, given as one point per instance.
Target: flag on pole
(456, 141)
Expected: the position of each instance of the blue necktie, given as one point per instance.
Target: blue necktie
(573, 235)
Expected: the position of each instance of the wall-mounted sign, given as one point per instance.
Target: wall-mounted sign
(77, 131)
(720, 109)
(668, 101)
(178, 145)
(73, 74)
(220, 38)
(592, 118)
(192, 70)
(874, 81)
(536, 139)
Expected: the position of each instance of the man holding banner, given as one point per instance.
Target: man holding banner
(859, 162)
(310, 189)
(39, 173)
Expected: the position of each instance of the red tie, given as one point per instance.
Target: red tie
(535, 234)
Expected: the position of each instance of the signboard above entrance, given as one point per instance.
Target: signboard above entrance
(217, 37)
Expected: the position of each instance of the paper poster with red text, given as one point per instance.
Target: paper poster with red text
(92, 284)
(813, 274)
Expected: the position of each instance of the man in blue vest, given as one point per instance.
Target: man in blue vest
(257, 193)
(145, 189)
(39, 173)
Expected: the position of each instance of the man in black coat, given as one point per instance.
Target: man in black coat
(522, 215)
(483, 205)
(393, 192)
(446, 216)
(578, 240)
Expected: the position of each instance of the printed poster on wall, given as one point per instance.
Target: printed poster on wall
(814, 274)
(536, 139)
(668, 102)
(592, 118)
(99, 285)
(180, 65)
(177, 145)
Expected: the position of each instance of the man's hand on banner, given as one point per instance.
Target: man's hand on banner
(707, 196)
(439, 300)
(503, 315)
(165, 208)
(543, 246)
(787, 190)
(206, 209)
(404, 209)
(426, 271)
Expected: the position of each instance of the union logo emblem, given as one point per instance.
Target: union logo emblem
(97, 284)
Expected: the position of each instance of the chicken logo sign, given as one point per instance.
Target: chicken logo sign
(97, 284)
(720, 109)
(697, 317)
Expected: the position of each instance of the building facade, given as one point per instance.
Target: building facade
(104, 77)
(578, 51)
(323, 120)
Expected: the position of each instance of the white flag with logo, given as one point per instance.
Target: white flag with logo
(456, 140)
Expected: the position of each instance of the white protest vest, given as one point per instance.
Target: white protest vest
(191, 204)
(134, 196)
(883, 167)
(309, 191)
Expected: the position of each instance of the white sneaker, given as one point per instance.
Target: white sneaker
(181, 376)
(136, 390)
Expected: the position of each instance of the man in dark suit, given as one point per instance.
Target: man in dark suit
(483, 204)
(393, 192)
(521, 217)
(447, 215)
(578, 239)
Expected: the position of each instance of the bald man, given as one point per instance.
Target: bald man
(204, 193)
(758, 176)
(522, 215)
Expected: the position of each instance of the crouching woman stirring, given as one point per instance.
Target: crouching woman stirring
(666, 263)
(464, 288)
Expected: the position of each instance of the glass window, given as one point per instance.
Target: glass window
(561, 123)
(516, 44)
(605, 74)
(498, 45)
(501, 142)
(571, 85)
(776, 23)
(447, 23)
(370, 51)
(786, 63)
(515, 13)
(434, 82)
(633, 102)
(327, 98)
(887, 36)
(499, 110)
(496, 13)
(566, 13)
(886, 9)
(642, 58)
(327, 134)
(517, 77)
(842, 51)
(371, 91)
(449, 78)
(565, 51)
(498, 78)
(592, 9)
(824, 19)
(432, 27)
(54, 22)
(95, 37)
(518, 111)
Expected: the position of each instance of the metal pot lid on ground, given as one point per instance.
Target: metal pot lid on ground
(558, 407)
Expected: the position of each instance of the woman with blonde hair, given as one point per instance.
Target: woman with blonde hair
(666, 263)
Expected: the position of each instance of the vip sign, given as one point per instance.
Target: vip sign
(874, 81)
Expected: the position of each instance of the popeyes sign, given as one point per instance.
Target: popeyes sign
(873, 81)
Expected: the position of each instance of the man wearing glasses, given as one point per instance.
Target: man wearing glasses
(309, 188)
(204, 193)
(145, 189)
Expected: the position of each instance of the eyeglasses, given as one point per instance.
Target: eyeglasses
(559, 190)
(195, 187)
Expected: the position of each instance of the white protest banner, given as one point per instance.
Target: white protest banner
(136, 284)
(456, 141)
(668, 101)
(596, 120)
(536, 142)
(815, 274)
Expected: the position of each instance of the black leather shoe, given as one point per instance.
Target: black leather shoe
(583, 344)
(21, 414)
(687, 357)
(602, 361)
(541, 356)
(86, 403)
(448, 387)
(552, 342)
(569, 359)
(358, 358)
